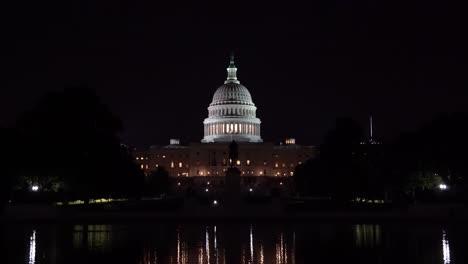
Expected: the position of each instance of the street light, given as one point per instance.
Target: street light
(35, 188)
(443, 186)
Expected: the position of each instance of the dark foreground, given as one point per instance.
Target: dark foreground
(194, 210)
(229, 242)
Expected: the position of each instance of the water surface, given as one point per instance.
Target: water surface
(145, 243)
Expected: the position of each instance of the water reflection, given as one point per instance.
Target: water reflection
(445, 247)
(367, 235)
(32, 248)
(225, 243)
(93, 237)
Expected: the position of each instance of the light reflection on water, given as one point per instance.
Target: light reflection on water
(445, 247)
(239, 243)
(32, 248)
(367, 235)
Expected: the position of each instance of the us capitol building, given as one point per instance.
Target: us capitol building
(231, 117)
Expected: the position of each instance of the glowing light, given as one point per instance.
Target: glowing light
(238, 162)
(281, 183)
(180, 164)
(35, 188)
(178, 183)
(32, 248)
(215, 202)
(206, 190)
(445, 248)
(250, 190)
(251, 244)
(208, 183)
(443, 187)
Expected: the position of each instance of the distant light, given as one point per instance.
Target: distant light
(208, 183)
(250, 190)
(281, 183)
(443, 186)
(215, 202)
(178, 183)
(35, 188)
(206, 190)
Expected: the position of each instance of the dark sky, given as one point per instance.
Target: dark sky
(157, 66)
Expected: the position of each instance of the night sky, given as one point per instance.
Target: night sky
(157, 66)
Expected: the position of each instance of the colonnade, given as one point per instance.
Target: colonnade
(245, 128)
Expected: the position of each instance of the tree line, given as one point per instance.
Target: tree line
(68, 143)
(413, 166)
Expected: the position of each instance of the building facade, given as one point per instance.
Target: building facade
(231, 117)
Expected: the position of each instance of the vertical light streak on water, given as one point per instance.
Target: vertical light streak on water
(262, 257)
(207, 244)
(293, 249)
(32, 248)
(445, 247)
(178, 246)
(251, 244)
(215, 247)
(280, 251)
(215, 237)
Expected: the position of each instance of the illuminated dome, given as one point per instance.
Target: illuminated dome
(232, 113)
(232, 93)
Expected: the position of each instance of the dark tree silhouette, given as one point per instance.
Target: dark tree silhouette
(158, 182)
(435, 153)
(10, 160)
(337, 171)
(73, 136)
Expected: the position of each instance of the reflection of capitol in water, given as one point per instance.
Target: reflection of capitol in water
(224, 244)
(280, 242)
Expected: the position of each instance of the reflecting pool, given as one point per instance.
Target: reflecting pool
(260, 242)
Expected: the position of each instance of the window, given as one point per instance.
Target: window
(238, 162)
(172, 164)
(180, 164)
(248, 162)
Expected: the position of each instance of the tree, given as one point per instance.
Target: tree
(9, 163)
(71, 135)
(340, 156)
(158, 182)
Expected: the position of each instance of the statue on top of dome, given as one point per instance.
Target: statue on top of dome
(231, 62)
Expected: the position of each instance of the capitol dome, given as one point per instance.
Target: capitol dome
(232, 113)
